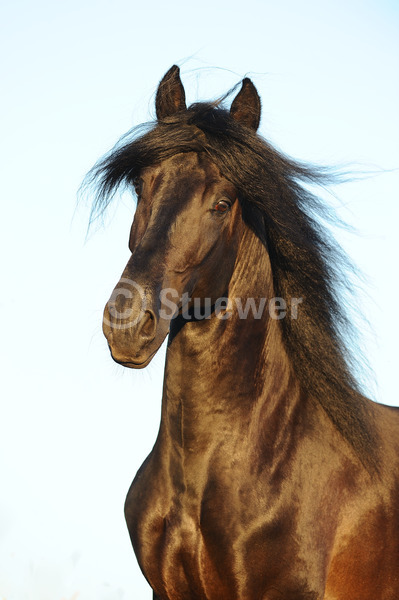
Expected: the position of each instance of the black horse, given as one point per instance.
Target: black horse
(272, 476)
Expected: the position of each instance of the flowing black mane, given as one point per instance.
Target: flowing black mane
(306, 262)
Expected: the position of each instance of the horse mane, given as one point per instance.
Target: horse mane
(306, 261)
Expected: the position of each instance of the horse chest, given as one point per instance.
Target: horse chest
(168, 541)
(162, 514)
(204, 546)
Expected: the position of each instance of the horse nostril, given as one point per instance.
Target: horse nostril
(148, 325)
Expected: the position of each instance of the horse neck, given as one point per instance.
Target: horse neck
(230, 375)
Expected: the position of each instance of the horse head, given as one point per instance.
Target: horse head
(184, 237)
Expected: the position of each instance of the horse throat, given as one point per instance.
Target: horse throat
(234, 373)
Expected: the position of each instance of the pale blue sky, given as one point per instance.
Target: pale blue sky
(75, 76)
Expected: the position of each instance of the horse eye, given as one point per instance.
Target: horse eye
(222, 206)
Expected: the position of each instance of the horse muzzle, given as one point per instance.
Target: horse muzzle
(133, 329)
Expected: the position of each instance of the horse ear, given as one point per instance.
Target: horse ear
(170, 97)
(245, 108)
